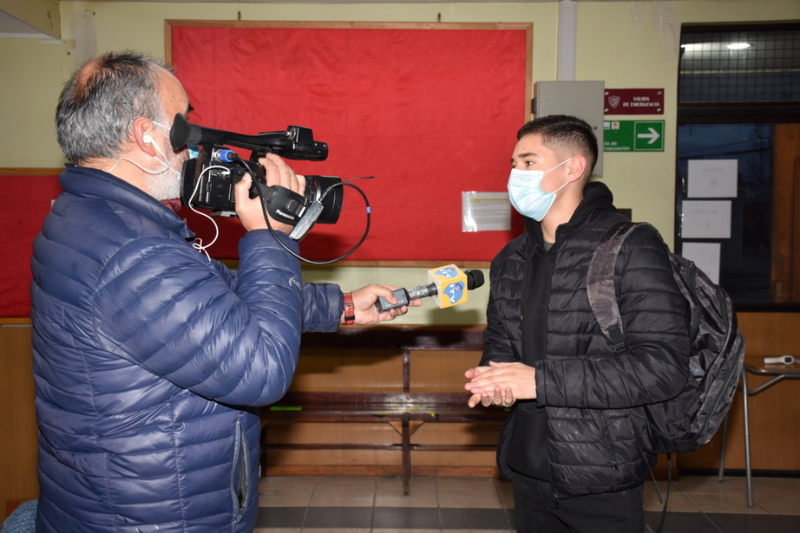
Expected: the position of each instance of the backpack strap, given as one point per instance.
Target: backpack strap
(600, 283)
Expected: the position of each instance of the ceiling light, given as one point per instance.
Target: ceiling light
(738, 46)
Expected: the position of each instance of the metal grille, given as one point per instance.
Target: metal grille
(740, 66)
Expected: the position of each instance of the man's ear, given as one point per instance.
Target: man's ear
(576, 166)
(143, 135)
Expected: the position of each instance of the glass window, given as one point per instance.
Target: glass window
(739, 100)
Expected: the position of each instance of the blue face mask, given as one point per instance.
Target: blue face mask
(526, 194)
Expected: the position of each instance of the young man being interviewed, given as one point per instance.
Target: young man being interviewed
(571, 446)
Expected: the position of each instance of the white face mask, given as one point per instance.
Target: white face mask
(526, 194)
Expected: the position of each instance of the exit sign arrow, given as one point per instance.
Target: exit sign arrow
(653, 136)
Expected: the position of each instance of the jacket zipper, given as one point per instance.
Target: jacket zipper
(607, 439)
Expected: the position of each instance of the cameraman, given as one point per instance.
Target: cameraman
(150, 360)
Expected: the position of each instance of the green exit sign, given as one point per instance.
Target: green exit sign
(633, 136)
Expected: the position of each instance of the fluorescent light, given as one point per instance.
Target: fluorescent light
(738, 46)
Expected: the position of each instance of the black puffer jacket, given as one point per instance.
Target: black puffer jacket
(589, 391)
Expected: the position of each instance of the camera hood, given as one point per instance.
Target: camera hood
(296, 142)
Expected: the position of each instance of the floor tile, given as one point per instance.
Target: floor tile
(474, 531)
(464, 483)
(361, 504)
(405, 518)
(703, 485)
(776, 495)
(484, 498)
(280, 497)
(337, 530)
(733, 523)
(347, 481)
(677, 502)
(474, 519)
(422, 493)
(281, 517)
(416, 481)
(338, 517)
(682, 523)
(720, 503)
(342, 497)
(396, 530)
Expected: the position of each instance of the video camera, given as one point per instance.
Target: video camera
(209, 179)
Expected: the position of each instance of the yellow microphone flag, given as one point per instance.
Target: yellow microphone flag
(451, 285)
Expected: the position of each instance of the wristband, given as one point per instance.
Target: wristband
(349, 309)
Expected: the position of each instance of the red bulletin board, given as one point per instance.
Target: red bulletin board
(430, 110)
(30, 194)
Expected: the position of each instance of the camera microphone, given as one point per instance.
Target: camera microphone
(448, 283)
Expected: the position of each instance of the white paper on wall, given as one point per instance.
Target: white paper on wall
(712, 178)
(706, 219)
(485, 211)
(706, 255)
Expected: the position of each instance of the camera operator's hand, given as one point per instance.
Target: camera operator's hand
(277, 172)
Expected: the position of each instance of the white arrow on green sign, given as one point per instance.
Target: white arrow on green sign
(633, 136)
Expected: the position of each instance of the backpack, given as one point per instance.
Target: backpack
(691, 419)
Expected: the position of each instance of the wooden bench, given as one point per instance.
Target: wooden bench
(404, 410)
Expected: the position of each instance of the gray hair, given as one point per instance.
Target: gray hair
(98, 105)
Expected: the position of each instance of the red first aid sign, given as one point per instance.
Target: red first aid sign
(634, 102)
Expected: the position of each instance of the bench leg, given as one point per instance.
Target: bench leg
(406, 457)
(263, 452)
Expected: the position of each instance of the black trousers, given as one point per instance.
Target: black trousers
(538, 509)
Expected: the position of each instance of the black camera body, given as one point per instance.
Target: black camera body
(209, 179)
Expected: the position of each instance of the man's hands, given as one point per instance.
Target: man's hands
(500, 384)
(364, 303)
(249, 209)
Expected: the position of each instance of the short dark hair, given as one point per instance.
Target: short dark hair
(98, 105)
(561, 132)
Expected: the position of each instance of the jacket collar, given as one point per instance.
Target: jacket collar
(93, 183)
(596, 196)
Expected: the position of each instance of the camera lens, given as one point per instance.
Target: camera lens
(316, 187)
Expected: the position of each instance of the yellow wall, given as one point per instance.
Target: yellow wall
(625, 44)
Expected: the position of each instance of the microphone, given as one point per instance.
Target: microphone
(448, 283)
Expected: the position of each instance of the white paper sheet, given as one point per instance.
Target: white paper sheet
(706, 255)
(712, 178)
(706, 219)
(485, 211)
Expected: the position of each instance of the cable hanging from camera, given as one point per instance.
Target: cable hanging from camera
(322, 198)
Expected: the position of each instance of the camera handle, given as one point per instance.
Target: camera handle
(272, 196)
(282, 204)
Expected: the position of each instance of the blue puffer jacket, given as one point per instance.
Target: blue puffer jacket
(149, 361)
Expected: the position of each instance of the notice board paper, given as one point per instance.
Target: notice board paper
(485, 211)
(712, 178)
(706, 219)
(705, 255)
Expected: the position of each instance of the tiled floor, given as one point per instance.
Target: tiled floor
(376, 504)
